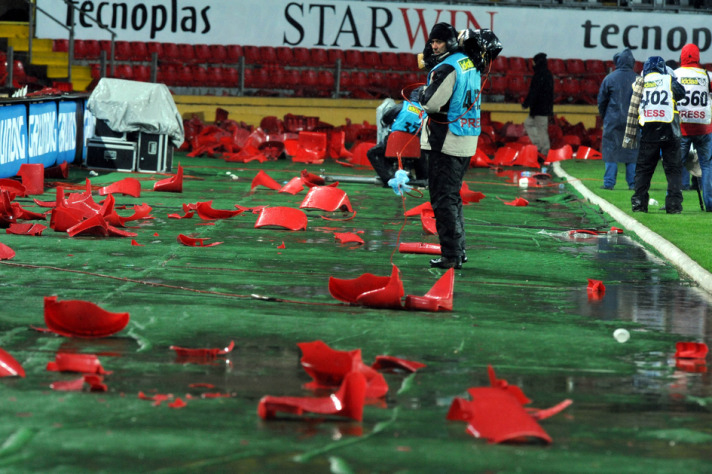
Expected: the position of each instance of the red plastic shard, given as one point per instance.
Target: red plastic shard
(596, 286)
(195, 241)
(348, 237)
(206, 211)
(203, 353)
(72, 362)
(427, 221)
(695, 366)
(94, 383)
(13, 187)
(347, 402)
(48, 204)
(136, 244)
(419, 247)
(58, 171)
(586, 153)
(519, 202)
(21, 213)
(542, 414)
(497, 416)
(63, 218)
(438, 298)
(285, 217)
(294, 186)
(691, 350)
(348, 290)
(263, 179)
(177, 403)
(387, 297)
(310, 180)
(390, 362)
(141, 211)
(615, 230)
(282, 246)
(77, 318)
(312, 147)
(513, 390)
(25, 229)
(418, 210)
(326, 198)
(6, 253)
(9, 367)
(560, 154)
(327, 366)
(32, 175)
(480, 159)
(157, 399)
(469, 196)
(174, 184)
(126, 186)
(95, 225)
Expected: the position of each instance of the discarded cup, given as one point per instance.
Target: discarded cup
(621, 335)
(653, 202)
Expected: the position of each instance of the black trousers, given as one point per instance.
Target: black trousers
(649, 154)
(445, 175)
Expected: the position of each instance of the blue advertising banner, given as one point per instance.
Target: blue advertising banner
(13, 139)
(42, 138)
(67, 132)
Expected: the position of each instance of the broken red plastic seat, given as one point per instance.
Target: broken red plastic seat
(369, 290)
(480, 159)
(384, 362)
(402, 145)
(325, 365)
(438, 298)
(16, 188)
(294, 186)
(468, 196)
(202, 353)
(347, 402)
(586, 153)
(326, 198)
(77, 318)
(560, 154)
(419, 247)
(387, 297)
(519, 202)
(263, 179)
(60, 171)
(358, 154)
(505, 156)
(527, 156)
(595, 286)
(428, 223)
(419, 209)
(195, 241)
(126, 186)
(174, 184)
(312, 147)
(691, 350)
(9, 366)
(73, 362)
(337, 141)
(348, 237)
(32, 175)
(285, 217)
(206, 211)
(26, 229)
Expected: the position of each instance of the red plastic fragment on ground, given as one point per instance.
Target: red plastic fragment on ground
(201, 385)
(263, 179)
(282, 246)
(21, 213)
(294, 186)
(348, 237)
(14, 187)
(203, 353)
(285, 217)
(347, 402)
(519, 202)
(369, 290)
(174, 184)
(157, 399)
(72, 362)
(419, 247)
(6, 253)
(9, 367)
(94, 383)
(195, 241)
(206, 211)
(438, 298)
(60, 171)
(691, 350)
(469, 196)
(126, 186)
(390, 362)
(77, 318)
(311, 180)
(513, 390)
(136, 244)
(544, 413)
(596, 287)
(616, 230)
(177, 403)
(418, 210)
(326, 198)
(428, 223)
(25, 229)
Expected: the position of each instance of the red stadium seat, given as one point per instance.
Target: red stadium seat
(575, 67)
(318, 57)
(122, 50)
(105, 45)
(170, 52)
(187, 52)
(199, 76)
(344, 81)
(595, 66)
(203, 53)
(519, 65)
(166, 74)
(218, 53)
(154, 47)
(87, 49)
(61, 46)
(569, 91)
(252, 54)
(353, 59)
(234, 53)
(284, 55)
(389, 61)
(500, 65)
(276, 76)
(497, 85)
(589, 91)
(300, 57)
(407, 61)
(139, 51)
(325, 80)
(371, 60)
(267, 55)
(292, 78)
(557, 66)
(142, 72)
(215, 76)
(184, 75)
(231, 77)
(309, 79)
(95, 71)
(517, 88)
(335, 54)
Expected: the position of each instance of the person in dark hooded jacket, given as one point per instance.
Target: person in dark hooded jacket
(696, 118)
(540, 101)
(659, 92)
(613, 101)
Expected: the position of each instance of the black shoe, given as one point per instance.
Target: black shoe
(674, 211)
(464, 259)
(446, 262)
(610, 188)
(640, 209)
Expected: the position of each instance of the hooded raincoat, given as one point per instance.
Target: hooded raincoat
(613, 101)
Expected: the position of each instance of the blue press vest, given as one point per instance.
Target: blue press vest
(467, 90)
(409, 118)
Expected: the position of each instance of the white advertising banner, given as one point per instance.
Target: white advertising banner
(380, 26)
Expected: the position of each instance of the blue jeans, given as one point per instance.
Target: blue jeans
(609, 176)
(703, 145)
